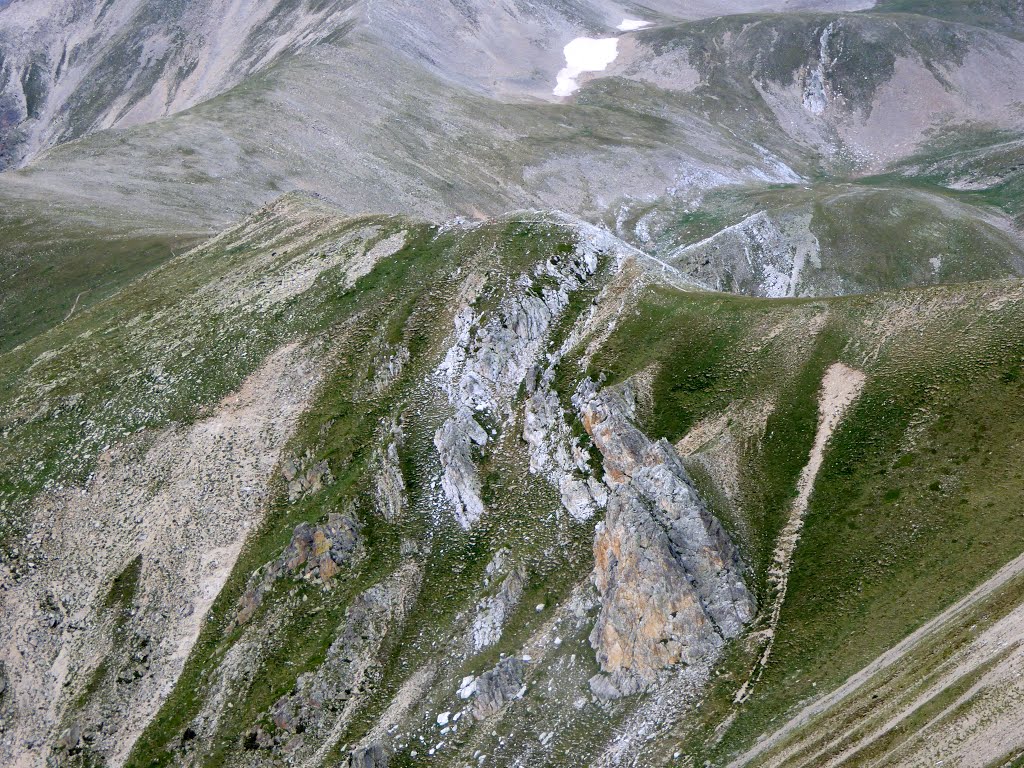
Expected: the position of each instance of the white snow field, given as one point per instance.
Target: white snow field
(584, 54)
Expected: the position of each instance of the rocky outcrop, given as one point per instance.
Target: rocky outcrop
(817, 90)
(317, 552)
(759, 256)
(494, 610)
(488, 362)
(390, 484)
(388, 369)
(314, 553)
(670, 580)
(325, 697)
(555, 452)
(70, 739)
(456, 441)
(373, 756)
(304, 476)
(496, 687)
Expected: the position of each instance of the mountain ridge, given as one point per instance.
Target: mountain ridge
(382, 408)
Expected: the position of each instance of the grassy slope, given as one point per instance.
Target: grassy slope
(974, 165)
(887, 532)
(49, 267)
(1002, 16)
(914, 505)
(140, 359)
(927, 684)
(872, 235)
(341, 428)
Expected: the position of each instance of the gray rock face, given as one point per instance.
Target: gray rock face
(494, 610)
(373, 756)
(390, 485)
(555, 452)
(329, 694)
(669, 577)
(305, 477)
(818, 92)
(499, 686)
(491, 357)
(71, 739)
(760, 256)
(455, 442)
(315, 552)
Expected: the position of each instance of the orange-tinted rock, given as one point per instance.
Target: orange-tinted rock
(669, 578)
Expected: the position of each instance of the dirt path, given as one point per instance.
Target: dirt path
(973, 729)
(840, 387)
(73, 307)
(886, 660)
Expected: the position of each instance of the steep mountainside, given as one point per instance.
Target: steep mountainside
(416, 574)
(365, 402)
(72, 67)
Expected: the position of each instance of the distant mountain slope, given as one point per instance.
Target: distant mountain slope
(1004, 16)
(71, 68)
(683, 108)
(829, 239)
(447, 110)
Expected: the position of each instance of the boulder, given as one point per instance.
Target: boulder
(71, 739)
(497, 687)
(372, 756)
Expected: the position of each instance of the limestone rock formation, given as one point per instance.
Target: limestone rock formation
(390, 489)
(489, 360)
(327, 695)
(760, 255)
(304, 476)
(495, 688)
(494, 610)
(555, 452)
(372, 756)
(670, 579)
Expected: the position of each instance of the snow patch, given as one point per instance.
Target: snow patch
(584, 54)
(630, 25)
